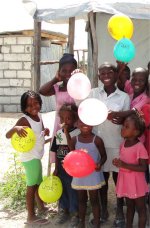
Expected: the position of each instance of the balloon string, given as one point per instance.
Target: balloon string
(51, 179)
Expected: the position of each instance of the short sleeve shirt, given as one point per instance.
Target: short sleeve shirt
(116, 101)
(60, 146)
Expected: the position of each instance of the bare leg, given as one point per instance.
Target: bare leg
(95, 207)
(119, 210)
(130, 212)
(82, 195)
(104, 198)
(30, 197)
(40, 203)
(140, 204)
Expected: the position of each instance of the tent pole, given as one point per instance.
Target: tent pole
(37, 55)
(71, 35)
(95, 48)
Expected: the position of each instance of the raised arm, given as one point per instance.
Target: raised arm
(123, 76)
(48, 88)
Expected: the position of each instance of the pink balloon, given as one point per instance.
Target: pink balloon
(92, 111)
(78, 163)
(79, 86)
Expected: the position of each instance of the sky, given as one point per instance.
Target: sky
(13, 17)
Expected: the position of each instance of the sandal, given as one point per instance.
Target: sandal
(104, 217)
(38, 221)
(120, 223)
(46, 210)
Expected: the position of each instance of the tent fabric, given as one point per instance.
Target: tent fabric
(59, 11)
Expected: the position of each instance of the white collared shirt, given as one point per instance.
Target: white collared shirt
(116, 101)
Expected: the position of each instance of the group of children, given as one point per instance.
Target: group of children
(126, 159)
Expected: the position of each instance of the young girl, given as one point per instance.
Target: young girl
(67, 65)
(137, 88)
(95, 147)
(68, 203)
(138, 92)
(31, 106)
(132, 164)
(146, 115)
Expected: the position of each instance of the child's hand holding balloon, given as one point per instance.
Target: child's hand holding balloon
(20, 130)
(76, 71)
(98, 166)
(46, 132)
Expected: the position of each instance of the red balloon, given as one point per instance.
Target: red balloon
(78, 163)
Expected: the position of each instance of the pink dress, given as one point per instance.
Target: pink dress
(62, 97)
(146, 111)
(132, 184)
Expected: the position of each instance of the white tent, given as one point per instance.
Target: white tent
(58, 11)
(100, 48)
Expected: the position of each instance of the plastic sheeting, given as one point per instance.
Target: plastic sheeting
(60, 10)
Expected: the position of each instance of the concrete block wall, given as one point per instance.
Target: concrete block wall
(16, 53)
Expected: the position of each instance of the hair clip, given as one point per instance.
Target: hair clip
(138, 113)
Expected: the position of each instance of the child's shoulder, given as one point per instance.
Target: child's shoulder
(22, 121)
(75, 132)
(122, 93)
(98, 139)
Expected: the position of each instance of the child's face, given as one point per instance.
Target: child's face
(86, 129)
(138, 82)
(67, 118)
(66, 70)
(32, 106)
(107, 76)
(128, 129)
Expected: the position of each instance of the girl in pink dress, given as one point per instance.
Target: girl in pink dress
(137, 88)
(146, 112)
(138, 95)
(67, 65)
(132, 164)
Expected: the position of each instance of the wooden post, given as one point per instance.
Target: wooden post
(37, 56)
(71, 34)
(95, 49)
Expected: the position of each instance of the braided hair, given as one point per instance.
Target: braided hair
(67, 58)
(139, 121)
(70, 108)
(24, 98)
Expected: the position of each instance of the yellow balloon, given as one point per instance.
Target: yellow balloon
(24, 144)
(120, 26)
(50, 190)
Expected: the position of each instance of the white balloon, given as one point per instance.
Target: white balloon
(79, 86)
(92, 111)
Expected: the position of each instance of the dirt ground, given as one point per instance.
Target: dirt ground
(11, 219)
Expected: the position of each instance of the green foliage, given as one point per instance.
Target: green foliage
(13, 187)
